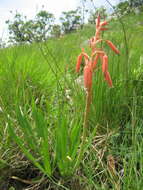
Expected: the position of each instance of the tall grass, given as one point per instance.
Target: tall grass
(42, 108)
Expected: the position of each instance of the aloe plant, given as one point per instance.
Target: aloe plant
(89, 68)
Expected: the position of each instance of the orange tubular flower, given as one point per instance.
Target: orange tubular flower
(103, 23)
(79, 59)
(96, 53)
(112, 46)
(87, 77)
(105, 64)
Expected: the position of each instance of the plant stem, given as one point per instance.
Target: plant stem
(85, 126)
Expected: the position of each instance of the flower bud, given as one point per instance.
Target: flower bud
(112, 46)
(87, 77)
(105, 64)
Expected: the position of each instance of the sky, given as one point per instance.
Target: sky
(29, 8)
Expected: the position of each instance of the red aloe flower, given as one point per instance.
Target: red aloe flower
(87, 77)
(103, 23)
(112, 46)
(96, 53)
(90, 65)
(79, 59)
(105, 64)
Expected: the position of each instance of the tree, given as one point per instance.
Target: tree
(2, 44)
(123, 7)
(23, 30)
(44, 22)
(70, 20)
(16, 28)
(56, 30)
(135, 3)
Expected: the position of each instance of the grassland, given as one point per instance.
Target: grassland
(39, 91)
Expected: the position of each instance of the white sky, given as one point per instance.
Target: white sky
(30, 7)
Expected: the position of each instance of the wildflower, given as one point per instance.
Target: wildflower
(88, 77)
(90, 63)
(105, 64)
(96, 54)
(79, 60)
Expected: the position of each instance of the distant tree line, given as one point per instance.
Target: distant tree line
(129, 6)
(22, 30)
(42, 26)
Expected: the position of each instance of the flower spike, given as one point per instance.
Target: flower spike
(90, 62)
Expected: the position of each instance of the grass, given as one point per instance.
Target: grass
(42, 106)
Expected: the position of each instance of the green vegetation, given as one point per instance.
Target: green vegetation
(42, 106)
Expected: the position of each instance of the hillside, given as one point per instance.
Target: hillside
(41, 99)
